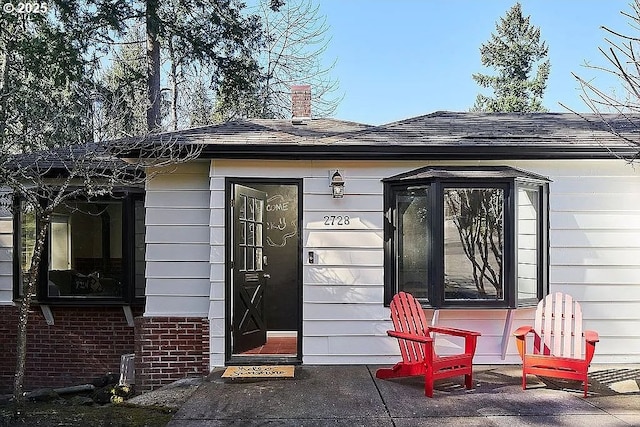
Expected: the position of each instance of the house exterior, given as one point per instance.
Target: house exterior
(304, 229)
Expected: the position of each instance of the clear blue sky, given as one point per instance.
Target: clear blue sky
(402, 58)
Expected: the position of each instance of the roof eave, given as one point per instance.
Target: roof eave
(403, 152)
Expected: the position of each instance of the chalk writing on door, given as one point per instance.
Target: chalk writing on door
(280, 220)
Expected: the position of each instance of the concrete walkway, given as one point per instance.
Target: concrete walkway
(352, 396)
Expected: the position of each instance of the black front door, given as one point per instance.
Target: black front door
(249, 278)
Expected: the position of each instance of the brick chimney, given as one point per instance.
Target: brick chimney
(301, 102)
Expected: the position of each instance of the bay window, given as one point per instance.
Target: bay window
(473, 236)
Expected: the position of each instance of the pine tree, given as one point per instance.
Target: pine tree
(514, 51)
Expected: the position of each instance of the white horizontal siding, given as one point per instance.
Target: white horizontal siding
(178, 234)
(217, 242)
(595, 220)
(348, 256)
(594, 239)
(603, 276)
(602, 256)
(353, 275)
(344, 286)
(176, 270)
(177, 242)
(6, 258)
(160, 252)
(176, 216)
(595, 249)
(594, 255)
(351, 203)
(364, 239)
(184, 287)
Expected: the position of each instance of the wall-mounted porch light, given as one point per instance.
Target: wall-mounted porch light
(337, 185)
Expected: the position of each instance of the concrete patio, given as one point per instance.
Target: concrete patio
(352, 396)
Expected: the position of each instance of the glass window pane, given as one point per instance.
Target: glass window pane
(242, 207)
(259, 209)
(250, 208)
(473, 243)
(250, 259)
(251, 234)
(258, 259)
(243, 233)
(527, 244)
(412, 210)
(243, 259)
(258, 235)
(85, 250)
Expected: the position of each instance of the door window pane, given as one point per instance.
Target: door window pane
(251, 236)
(242, 207)
(251, 213)
(258, 259)
(473, 243)
(243, 233)
(258, 235)
(259, 209)
(250, 258)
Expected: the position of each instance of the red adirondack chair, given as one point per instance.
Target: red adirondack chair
(558, 341)
(416, 346)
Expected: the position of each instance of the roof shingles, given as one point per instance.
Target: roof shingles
(429, 136)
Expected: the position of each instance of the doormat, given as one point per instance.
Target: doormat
(276, 371)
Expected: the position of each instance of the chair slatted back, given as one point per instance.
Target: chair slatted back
(558, 327)
(408, 316)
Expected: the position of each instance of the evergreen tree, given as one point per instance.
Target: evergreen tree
(514, 51)
(122, 89)
(52, 112)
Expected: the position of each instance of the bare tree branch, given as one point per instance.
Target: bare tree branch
(618, 112)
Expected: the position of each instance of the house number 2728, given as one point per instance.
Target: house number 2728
(336, 220)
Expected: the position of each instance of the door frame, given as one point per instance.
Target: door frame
(230, 359)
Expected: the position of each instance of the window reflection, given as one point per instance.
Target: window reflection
(473, 243)
(412, 206)
(85, 250)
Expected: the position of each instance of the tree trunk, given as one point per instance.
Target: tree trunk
(174, 85)
(28, 291)
(153, 66)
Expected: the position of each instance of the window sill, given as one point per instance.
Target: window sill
(85, 302)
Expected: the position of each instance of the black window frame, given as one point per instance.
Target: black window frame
(128, 200)
(436, 180)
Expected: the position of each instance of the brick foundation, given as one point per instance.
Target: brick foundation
(170, 348)
(84, 343)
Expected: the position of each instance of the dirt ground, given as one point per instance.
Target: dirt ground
(151, 409)
(50, 414)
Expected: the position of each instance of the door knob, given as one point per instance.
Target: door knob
(266, 276)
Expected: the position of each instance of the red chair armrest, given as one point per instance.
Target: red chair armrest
(453, 331)
(521, 343)
(410, 337)
(522, 331)
(591, 336)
